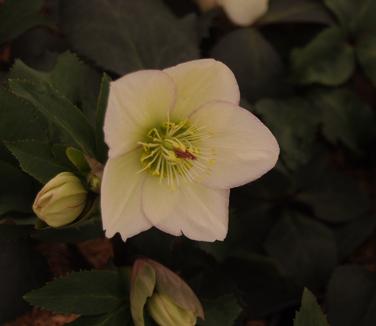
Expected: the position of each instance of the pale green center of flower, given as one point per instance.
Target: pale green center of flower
(171, 150)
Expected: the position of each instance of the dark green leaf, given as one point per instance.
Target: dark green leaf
(305, 249)
(345, 118)
(127, 35)
(17, 16)
(295, 11)
(12, 232)
(69, 75)
(77, 158)
(327, 60)
(333, 196)
(84, 229)
(310, 313)
(355, 17)
(19, 120)
(101, 110)
(17, 190)
(256, 65)
(36, 159)
(21, 269)
(84, 293)
(351, 297)
(366, 52)
(288, 121)
(221, 311)
(120, 316)
(261, 286)
(351, 235)
(58, 109)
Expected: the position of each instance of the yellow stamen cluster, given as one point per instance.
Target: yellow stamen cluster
(171, 150)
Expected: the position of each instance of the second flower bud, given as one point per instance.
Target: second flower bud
(61, 200)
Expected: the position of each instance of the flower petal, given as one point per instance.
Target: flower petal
(244, 12)
(137, 102)
(121, 196)
(244, 148)
(200, 213)
(202, 81)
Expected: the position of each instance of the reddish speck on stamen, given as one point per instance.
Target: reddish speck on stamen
(186, 155)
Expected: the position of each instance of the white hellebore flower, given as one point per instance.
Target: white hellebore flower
(178, 141)
(241, 12)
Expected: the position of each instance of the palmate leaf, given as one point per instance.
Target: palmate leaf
(85, 293)
(355, 16)
(345, 118)
(17, 16)
(357, 19)
(328, 59)
(127, 35)
(310, 313)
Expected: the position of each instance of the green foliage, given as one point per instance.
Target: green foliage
(58, 109)
(17, 16)
(287, 119)
(310, 313)
(351, 297)
(327, 60)
(100, 112)
(19, 120)
(83, 229)
(357, 19)
(307, 69)
(305, 249)
(365, 50)
(84, 293)
(123, 36)
(116, 317)
(247, 53)
(16, 190)
(336, 198)
(36, 159)
(221, 311)
(21, 269)
(345, 118)
(295, 11)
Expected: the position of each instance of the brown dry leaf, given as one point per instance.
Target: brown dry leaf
(42, 318)
(97, 252)
(58, 258)
(257, 323)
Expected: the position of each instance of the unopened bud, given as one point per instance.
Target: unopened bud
(61, 200)
(166, 313)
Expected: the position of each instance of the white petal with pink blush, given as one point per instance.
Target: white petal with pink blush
(178, 141)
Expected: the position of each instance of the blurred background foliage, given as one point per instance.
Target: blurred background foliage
(307, 68)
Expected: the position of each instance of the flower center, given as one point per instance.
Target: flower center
(171, 151)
